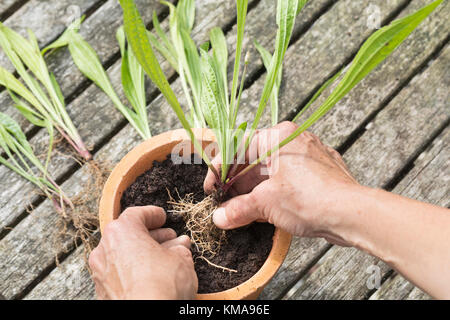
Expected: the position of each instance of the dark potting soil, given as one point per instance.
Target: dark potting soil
(245, 250)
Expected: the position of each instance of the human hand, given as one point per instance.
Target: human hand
(137, 259)
(303, 192)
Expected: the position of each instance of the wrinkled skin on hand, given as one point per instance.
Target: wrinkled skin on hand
(304, 180)
(137, 259)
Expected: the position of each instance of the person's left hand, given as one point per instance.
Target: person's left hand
(137, 259)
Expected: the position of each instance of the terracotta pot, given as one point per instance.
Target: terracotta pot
(139, 160)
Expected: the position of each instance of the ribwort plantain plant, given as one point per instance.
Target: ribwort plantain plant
(204, 78)
(20, 158)
(40, 99)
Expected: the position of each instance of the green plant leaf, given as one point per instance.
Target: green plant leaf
(375, 50)
(242, 7)
(140, 44)
(267, 60)
(287, 10)
(41, 90)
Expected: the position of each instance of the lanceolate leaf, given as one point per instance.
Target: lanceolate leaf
(267, 59)
(220, 55)
(316, 95)
(14, 143)
(88, 62)
(377, 48)
(140, 44)
(242, 6)
(287, 11)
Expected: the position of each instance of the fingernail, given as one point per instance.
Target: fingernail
(220, 218)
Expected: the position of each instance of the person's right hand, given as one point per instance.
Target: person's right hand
(302, 194)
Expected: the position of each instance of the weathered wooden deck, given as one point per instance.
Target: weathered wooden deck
(393, 130)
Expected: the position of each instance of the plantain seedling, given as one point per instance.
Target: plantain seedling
(20, 158)
(88, 62)
(40, 99)
(211, 100)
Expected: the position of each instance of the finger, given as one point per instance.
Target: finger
(183, 241)
(163, 234)
(237, 212)
(209, 185)
(149, 217)
(184, 253)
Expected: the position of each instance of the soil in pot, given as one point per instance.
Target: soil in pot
(245, 250)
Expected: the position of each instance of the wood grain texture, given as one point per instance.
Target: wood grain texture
(70, 281)
(375, 158)
(428, 181)
(317, 55)
(57, 15)
(99, 30)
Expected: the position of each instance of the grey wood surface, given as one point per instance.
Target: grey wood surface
(425, 182)
(325, 38)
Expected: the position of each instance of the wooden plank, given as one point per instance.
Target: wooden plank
(425, 182)
(101, 110)
(347, 115)
(377, 156)
(69, 281)
(416, 294)
(162, 118)
(56, 14)
(7, 7)
(30, 262)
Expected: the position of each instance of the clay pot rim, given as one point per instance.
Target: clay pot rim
(110, 207)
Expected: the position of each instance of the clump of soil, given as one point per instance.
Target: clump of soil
(244, 250)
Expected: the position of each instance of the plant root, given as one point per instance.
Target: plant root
(206, 237)
(80, 223)
(216, 266)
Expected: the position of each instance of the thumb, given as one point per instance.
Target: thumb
(237, 212)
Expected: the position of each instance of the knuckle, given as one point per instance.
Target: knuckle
(287, 127)
(170, 233)
(112, 228)
(308, 136)
(233, 215)
(183, 251)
